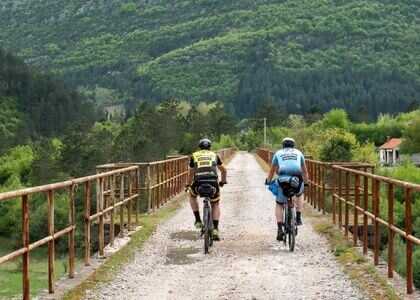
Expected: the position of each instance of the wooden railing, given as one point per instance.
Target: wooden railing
(116, 195)
(321, 181)
(369, 192)
(353, 194)
(67, 188)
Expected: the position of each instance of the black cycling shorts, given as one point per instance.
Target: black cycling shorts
(196, 184)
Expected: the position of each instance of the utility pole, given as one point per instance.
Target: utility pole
(265, 128)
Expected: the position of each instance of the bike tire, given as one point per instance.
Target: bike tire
(208, 239)
(292, 230)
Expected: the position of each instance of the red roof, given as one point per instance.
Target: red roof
(391, 144)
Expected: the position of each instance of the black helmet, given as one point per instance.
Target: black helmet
(204, 144)
(288, 142)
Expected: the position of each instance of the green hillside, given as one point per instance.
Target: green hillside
(303, 56)
(33, 104)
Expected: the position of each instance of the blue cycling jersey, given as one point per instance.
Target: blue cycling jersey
(289, 161)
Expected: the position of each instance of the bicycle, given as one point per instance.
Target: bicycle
(290, 225)
(207, 191)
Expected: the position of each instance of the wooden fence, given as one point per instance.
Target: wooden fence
(116, 195)
(353, 194)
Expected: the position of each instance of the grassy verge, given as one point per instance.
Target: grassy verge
(107, 271)
(355, 265)
(11, 272)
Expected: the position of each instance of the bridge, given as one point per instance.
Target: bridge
(248, 263)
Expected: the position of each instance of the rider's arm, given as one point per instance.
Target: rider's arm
(223, 172)
(192, 165)
(304, 170)
(273, 170)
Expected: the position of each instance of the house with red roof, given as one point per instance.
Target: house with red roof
(389, 153)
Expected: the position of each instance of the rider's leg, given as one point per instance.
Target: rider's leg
(279, 213)
(299, 207)
(195, 208)
(215, 208)
(280, 221)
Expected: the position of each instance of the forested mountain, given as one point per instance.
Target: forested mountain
(300, 56)
(34, 105)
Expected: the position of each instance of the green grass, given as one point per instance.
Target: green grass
(11, 274)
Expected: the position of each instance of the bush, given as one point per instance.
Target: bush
(366, 153)
(339, 146)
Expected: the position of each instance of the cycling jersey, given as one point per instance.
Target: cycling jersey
(289, 161)
(204, 163)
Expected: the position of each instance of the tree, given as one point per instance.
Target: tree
(338, 146)
(411, 142)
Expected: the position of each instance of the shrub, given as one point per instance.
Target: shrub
(338, 146)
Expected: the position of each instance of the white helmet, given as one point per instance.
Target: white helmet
(288, 142)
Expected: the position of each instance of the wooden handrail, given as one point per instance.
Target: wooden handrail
(119, 189)
(356, 187)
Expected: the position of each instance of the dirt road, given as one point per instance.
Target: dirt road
(247, 264)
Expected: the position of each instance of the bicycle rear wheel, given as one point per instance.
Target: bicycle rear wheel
(208, 239)
(292, 229)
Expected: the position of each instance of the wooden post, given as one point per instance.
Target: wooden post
(324, 194)
(356, 211)
(87, 223)
(365, 217)
(346, 206)
(122, 191)
(71, 236)
(112, 217)
(376, 200)
(148, 187)
(129, 203)
(51, 244)
(25, 243)
(100, 205)
(334, 191)
(340, 202)
(409, 246)
(390, 231)
(137, 191)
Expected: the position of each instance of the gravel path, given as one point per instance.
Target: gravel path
(247, 264)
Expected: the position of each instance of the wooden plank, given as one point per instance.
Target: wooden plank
(376, 203)
(112, 212)
(100, 205)
(51, 244)
(25, 242)
(346, 206)
(390, 231)
(409, 244)
(87, 191)
(365, 217)
(122, 190)
(355, 211)
(71, 234)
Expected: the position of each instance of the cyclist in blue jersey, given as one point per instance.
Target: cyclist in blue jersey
(288, 163)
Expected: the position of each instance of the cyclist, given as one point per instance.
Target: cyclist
(204, 164)
(288, 163)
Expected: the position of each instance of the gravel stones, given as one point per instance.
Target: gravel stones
(247, 264)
